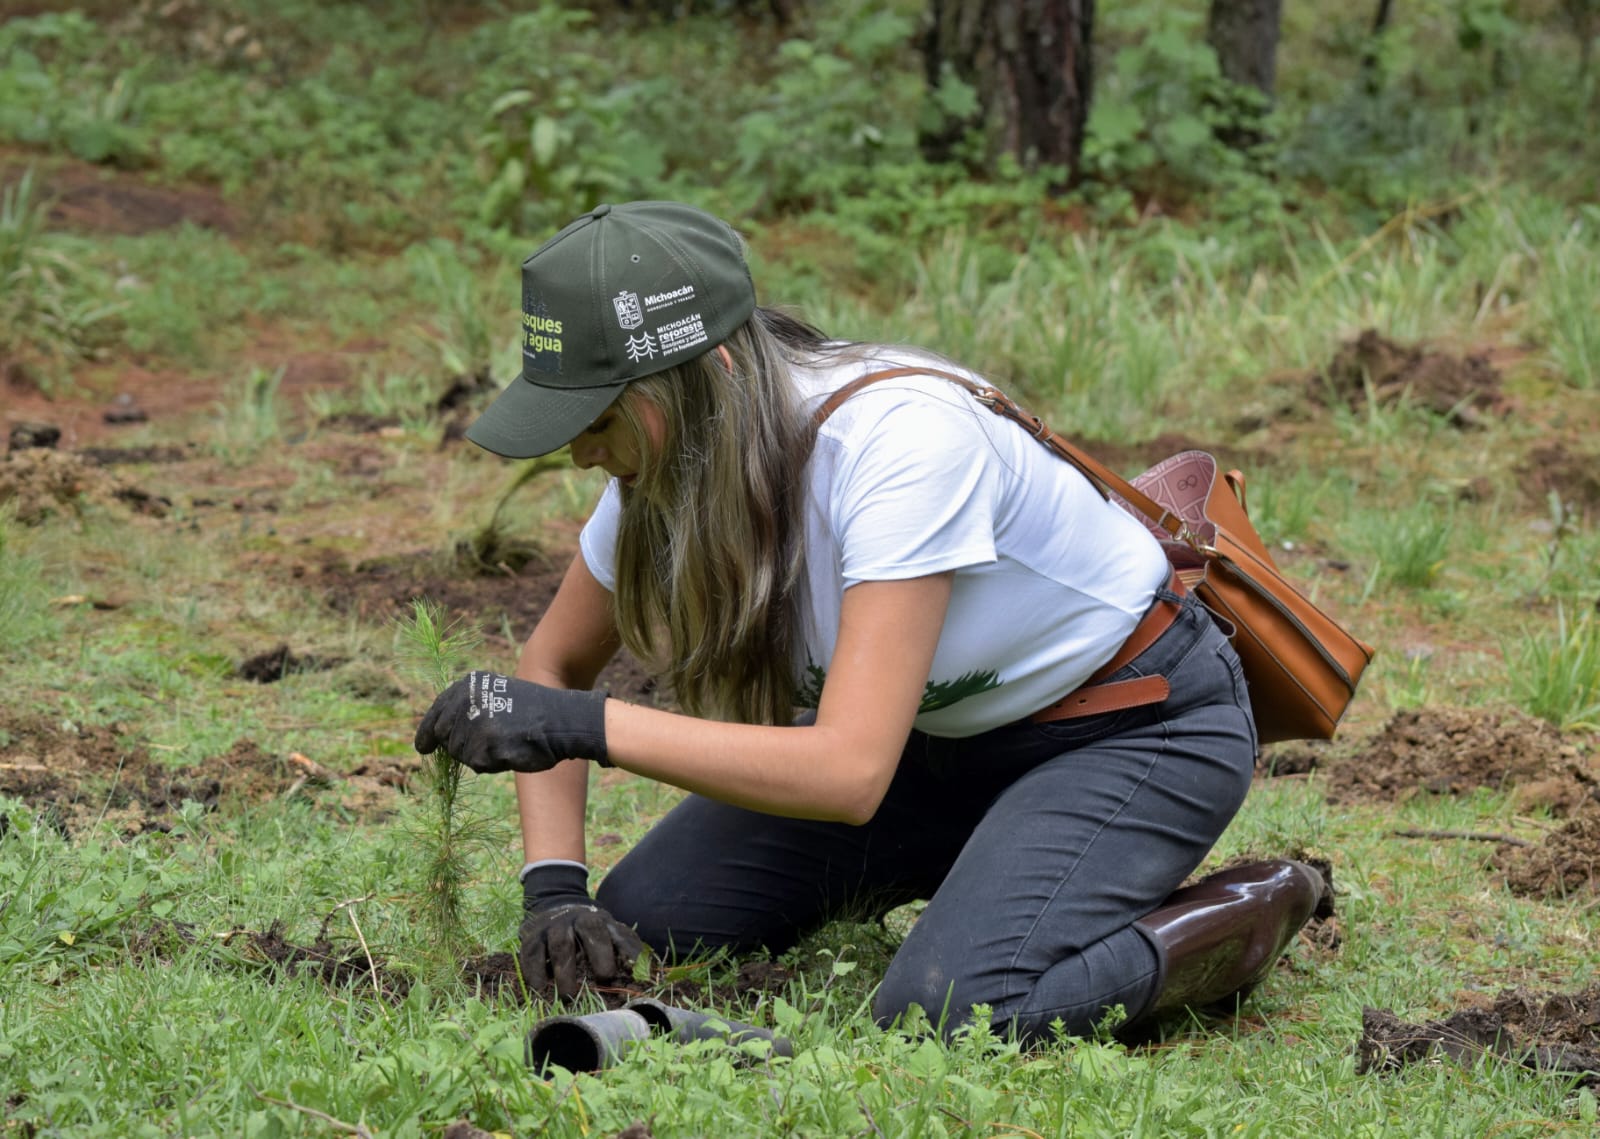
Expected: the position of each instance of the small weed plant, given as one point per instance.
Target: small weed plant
(50, 311)
(250, 416)
(1409, 547)
(1555, 672)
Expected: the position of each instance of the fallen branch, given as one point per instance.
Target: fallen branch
(337, 1124)
(1474, 836)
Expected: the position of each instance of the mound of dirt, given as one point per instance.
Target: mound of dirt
(1453, 751)
(75, 777)
(41, 483)
(1567, 862)
(1464, 389)
(1572, 475)
(1548, 1032)
(382, 590)
(275, 663)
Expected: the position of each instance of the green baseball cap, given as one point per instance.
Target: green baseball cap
(623, 292)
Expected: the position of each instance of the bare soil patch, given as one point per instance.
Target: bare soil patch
(382, 590)
(94, 199)
(75, 777)
(1557, 1033)
(1571, 473)
(1466, 390)
(108, 397)
(1453, 751)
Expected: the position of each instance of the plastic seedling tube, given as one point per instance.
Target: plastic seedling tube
(686, 1026)
(584, 1043)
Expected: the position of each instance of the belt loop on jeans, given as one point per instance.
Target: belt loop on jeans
(1095, 695)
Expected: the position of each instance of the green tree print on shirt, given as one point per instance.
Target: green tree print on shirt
(943, 693)
(938, 693)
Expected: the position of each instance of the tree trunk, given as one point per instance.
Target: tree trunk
(1371, 69)
(1584, 16)
(1244, 34)
(1028, 63)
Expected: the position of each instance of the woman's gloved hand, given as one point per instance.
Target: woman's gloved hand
(491, 723)
(565, 938)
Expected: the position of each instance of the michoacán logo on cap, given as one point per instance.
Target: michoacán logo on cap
(672, 335)
(629, 314)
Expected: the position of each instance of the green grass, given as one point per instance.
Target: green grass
(201, 1040)
(53, 310)
(1556, 671)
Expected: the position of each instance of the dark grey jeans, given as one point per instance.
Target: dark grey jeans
(1038, 844)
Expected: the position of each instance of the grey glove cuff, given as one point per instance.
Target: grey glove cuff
(583, 722)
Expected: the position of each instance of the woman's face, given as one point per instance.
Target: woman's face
(610, 443)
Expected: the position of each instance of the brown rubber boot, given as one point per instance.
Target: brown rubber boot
(1219, 938)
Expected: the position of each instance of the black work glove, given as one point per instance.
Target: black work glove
(565, 938)
(490, 723)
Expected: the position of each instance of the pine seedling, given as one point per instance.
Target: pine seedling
(445, 831)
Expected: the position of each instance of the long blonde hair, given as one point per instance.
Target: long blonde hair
(709, 557)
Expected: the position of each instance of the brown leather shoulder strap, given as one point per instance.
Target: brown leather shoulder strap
(831, 404)
(1001, 404)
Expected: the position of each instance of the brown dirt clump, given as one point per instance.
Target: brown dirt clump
(1548, 1032)
(275, 663)
(333, 966)
(1567, 862)
(121, 456)
(1572, 475)
(75, 777)
(1464, 389)
(1453, 751)
(41, 483)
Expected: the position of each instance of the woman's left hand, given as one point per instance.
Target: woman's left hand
(492, 723)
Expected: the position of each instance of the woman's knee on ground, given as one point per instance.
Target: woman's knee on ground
(944, 1007)
(943, 995)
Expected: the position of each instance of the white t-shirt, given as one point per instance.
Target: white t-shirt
(910, 477)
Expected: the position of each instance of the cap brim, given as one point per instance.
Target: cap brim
(527, 419)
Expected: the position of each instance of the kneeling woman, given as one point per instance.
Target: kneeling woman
(870, 608)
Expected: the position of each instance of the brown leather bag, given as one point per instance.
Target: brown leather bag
(1301, 665)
